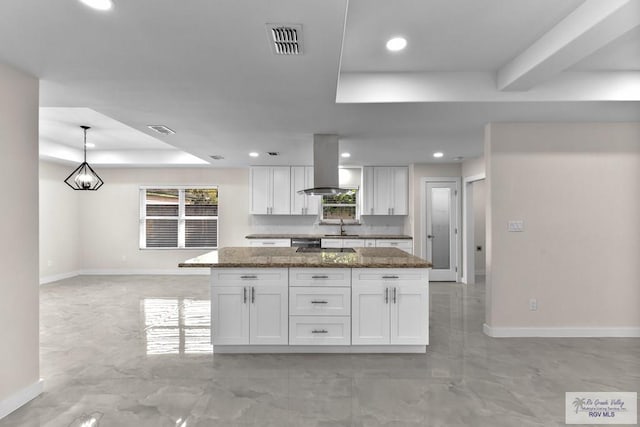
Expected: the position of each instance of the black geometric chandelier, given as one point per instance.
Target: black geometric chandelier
(84, 177)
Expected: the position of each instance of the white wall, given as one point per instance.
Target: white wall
(19, 353)
(110, 217)
(576, 186)
(59, 223)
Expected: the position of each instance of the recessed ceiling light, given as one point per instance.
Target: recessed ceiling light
(254, 154)
(438, 154)
(99, 4)
(397, 43)
(346, 155)
(91, 145)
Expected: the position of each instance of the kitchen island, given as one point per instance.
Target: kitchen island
(278, 300)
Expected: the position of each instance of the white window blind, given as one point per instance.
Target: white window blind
(184, 217)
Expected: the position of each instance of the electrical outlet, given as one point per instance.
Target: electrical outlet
(533, 304)
(516, 225)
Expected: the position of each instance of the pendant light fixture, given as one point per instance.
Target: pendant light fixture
(84, 177)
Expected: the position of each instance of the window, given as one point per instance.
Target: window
(179, 217)
(338, 207)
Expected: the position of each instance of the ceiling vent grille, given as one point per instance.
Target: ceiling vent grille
(285, 39)
(273, 153)
(161, 129)
(217, 157)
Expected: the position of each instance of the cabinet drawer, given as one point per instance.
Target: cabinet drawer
(320, 277)
(353, 243)
(248, 276)
(390, 276)
(331, 243)
(317, 330)
(315, 301)
(273, 243)
(405, 245)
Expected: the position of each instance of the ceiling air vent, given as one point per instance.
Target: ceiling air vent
(217, 157)
(285, 39)
(161, 129)
(273, 153)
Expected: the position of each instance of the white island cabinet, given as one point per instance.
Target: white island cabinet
(277, 300)
(390, 306)
(249, 306)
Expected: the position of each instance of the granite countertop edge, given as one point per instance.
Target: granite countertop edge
(245, 257)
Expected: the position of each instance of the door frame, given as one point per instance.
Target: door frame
(468, 237)
(423, 217)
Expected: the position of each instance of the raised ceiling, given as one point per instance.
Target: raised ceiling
(206, 70)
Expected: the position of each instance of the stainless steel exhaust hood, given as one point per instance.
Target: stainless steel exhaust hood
(325, 166)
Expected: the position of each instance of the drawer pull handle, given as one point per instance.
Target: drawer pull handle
(319, 277)
(249, 277)
(268, 243)
(390, 277)
(319, 331)
(393, 244)
(319, 302)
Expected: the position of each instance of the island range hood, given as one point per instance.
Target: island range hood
(325, 166)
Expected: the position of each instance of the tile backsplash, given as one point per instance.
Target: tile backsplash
(273, 224)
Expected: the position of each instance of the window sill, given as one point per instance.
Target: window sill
(178, 249)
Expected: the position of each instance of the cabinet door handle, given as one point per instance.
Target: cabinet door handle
(319, 302)
(395, 300)
(386, 295)
(390, 277)
(253, 295)
(319, 331)
(244, 295)
(320, 277)
(253, 276)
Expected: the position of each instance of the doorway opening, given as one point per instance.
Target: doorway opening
(474, 225)
(440, 236)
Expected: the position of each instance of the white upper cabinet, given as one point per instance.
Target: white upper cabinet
(385, 190)
(301, 204)
(270, 190)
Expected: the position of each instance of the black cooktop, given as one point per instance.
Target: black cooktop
(327, 250)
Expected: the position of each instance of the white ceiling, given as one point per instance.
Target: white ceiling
(206, 70)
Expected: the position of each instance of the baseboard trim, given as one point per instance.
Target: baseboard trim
(22, 397)
(146, 272)
(55, 277)
(561, 332)
(284, 349)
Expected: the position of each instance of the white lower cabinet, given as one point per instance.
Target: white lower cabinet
(319, 306)
(273, 243)
(390, 306)
(374, 308)
(249, 306)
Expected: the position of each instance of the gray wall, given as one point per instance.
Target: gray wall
(19, 353)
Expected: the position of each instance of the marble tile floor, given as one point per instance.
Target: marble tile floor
(132, 351)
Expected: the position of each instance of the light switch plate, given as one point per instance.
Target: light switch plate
(516, 225)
